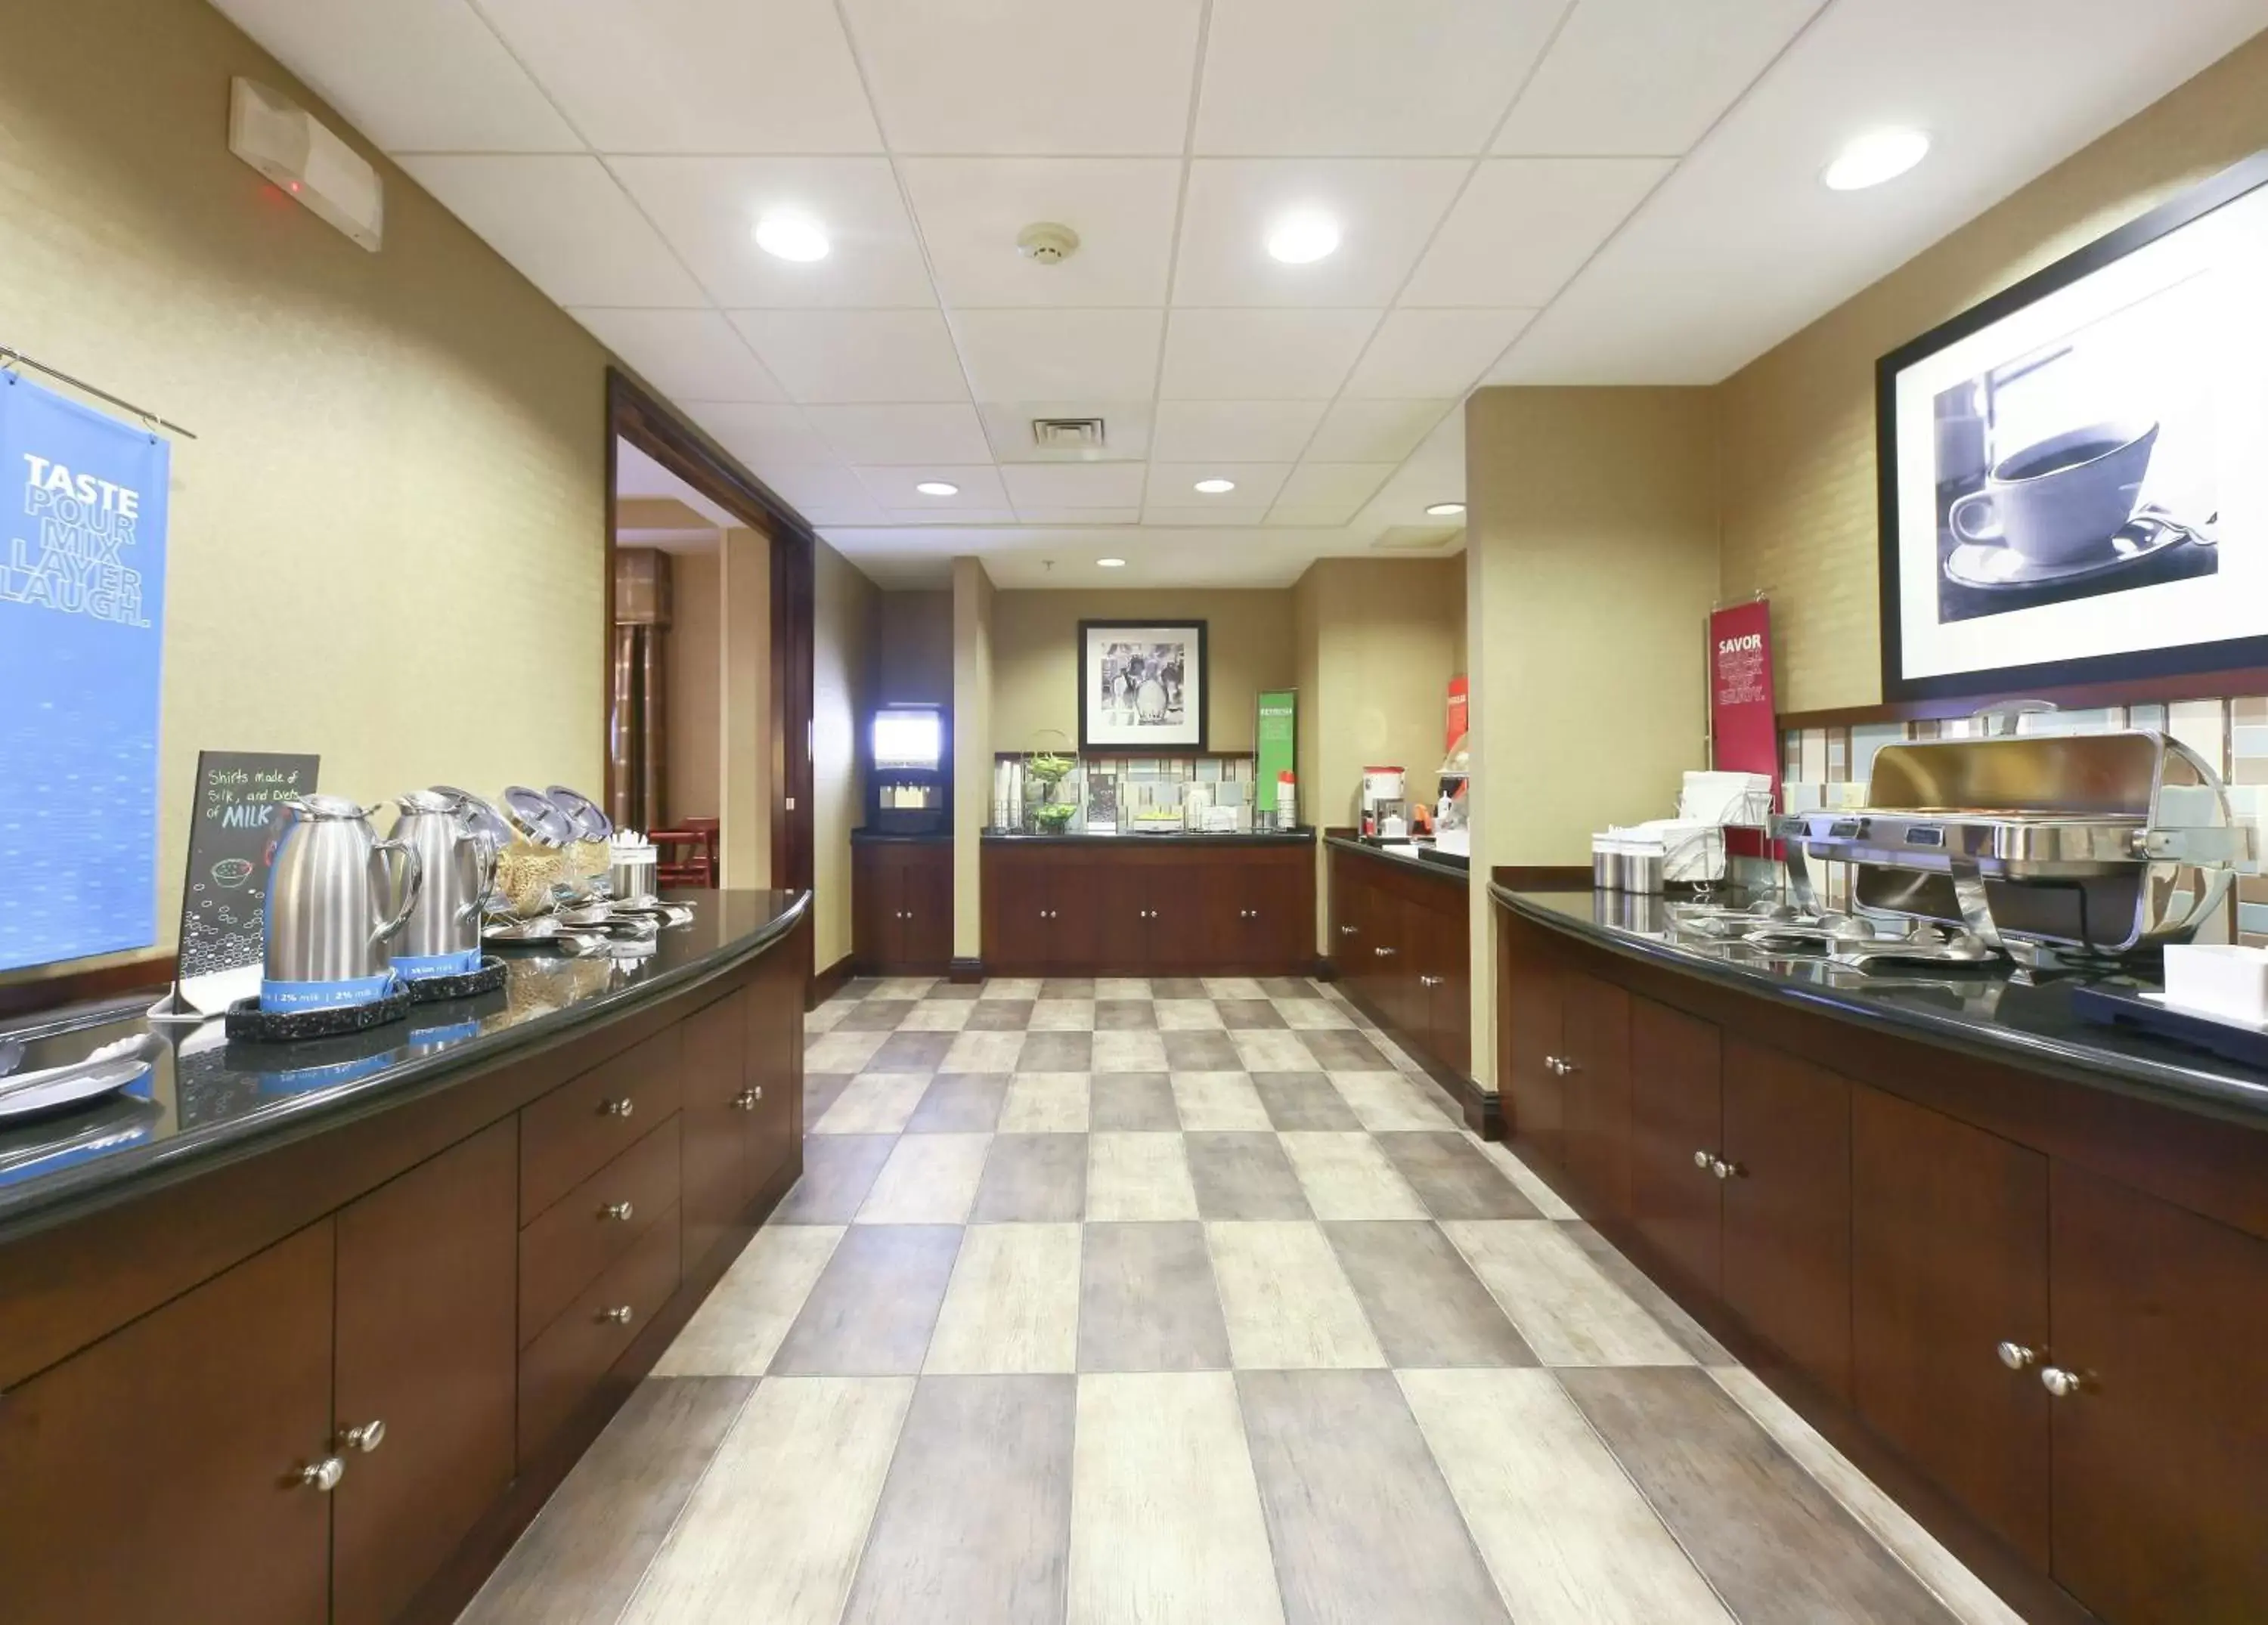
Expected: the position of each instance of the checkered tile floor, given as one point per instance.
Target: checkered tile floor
(1192, 1300)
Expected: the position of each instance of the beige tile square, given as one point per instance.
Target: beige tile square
(739, 1327)
(1138, 1177)
(1312, 1014)
(937, 1016)
(1272, 1049)
(1122, 987)
(1233, 988)
(1013, 1304)
(1216, 1101)
(873, 1103)
(1009, 988)
(1570, 1313)
(1346, 1176)
(1547, 1202)
(841, 1052)
(1288, 1304)
(931, 1178)
(1123, 1051)
(1387, 1101)
(825, 1018)
(974, 1051)
(1047, 1103)
(904, 988)
(1062, 1016)
(1187, 1015)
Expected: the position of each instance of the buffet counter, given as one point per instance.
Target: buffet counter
(325, 1322)
(2013, 1263)
(1401, 944)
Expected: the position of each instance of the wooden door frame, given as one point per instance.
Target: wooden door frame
(635, 414)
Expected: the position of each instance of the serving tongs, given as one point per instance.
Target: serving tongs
(111, 1066)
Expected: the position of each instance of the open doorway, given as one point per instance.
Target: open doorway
(709, 652)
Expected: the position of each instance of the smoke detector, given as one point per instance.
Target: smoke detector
(1047, 244)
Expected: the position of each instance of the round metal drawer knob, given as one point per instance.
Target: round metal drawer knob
(1704, 1161)
(621, 1210)
(617, 1108)
(2015, 1355)
(366, 1438)
(324, 1475)
(2061, 1383)
(746, 1100)
(620, 1314)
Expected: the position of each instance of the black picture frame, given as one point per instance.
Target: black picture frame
(1097, 736)
(2138, 675)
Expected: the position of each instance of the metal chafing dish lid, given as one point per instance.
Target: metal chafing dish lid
(588, 818)
(533, 817)
(483, 816)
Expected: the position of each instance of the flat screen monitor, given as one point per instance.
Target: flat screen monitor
(908, 737)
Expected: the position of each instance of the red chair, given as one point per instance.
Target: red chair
(687, 856)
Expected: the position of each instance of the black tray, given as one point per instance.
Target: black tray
(471, 984)
(247, 1023)
(2125, 1007)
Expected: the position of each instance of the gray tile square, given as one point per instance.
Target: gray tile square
(1452, 1177)
(1134, 1102)
(959, 1103)
(1287, 987)
(1056, 1052)
(1298, 1100)
(1427, 1306)
(1338, 1050)
(1243, 1015)
(1147, 1301)
(955, 991)
(1123, 1015)
(999, 1015)
(875, 1016)
(1201, 1052)
(819, 1092)
(912, 1052)
(874, 1305)
(838, 1170)
(1177, 987)
(1033, 1179)
(1068, 988)
(1244, 1176)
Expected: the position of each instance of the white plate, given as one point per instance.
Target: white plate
(111, 1067)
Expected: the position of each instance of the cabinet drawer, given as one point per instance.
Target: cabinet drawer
(563, 1248)
(589, 1121)
(558, 1370)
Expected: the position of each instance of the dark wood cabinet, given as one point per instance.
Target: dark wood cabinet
(901, 907)
(1595, 1090)
(2160, 1451)
(1534, 1021)
(1400, 940)
(771, 1102)
(1949, 1260)
(156, 1476)
(713, 1184)
(1677, 1127)
(1146, 907)
(423, 1399)
(1785, 1164)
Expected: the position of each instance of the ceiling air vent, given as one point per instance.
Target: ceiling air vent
(1417, 537)
(1067, 434)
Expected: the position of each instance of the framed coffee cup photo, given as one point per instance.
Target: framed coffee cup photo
(2075, 474)
(1142, 685)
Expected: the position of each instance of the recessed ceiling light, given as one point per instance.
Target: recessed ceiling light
(938, 488)
(1301, 239)
(1445, 510)
(1871, 158)
(1215, 488)
(1112, 563)
(792, 237)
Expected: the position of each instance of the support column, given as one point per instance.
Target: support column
(744, 718)
(1591, 562)
(972, 750)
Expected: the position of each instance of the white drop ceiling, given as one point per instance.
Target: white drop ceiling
(1529, 191)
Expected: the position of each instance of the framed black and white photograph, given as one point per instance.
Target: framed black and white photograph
(2074, 474)
(1142, 685)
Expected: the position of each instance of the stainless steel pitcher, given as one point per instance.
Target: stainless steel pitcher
(327, 897)
(442, 935)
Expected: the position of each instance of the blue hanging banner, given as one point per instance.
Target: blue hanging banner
(82, 625)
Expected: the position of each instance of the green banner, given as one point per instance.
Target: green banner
(1278, 734)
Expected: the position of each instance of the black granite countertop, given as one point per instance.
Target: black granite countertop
(1302, 836)
(1458, 871)
(2000, 1013)
(208, 1099)
(863, 837)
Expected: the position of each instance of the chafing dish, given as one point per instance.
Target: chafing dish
(2092, 846)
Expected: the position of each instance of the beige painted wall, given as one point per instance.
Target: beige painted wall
(913, 648)
(974, 607)
(399, 472)
(842, 682)
(1592, 558)
(1248, 642)
(1797, 425)
(695, 674)
(744, 717)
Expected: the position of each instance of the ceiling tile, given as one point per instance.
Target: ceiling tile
(1525, 225)
(564, 224)
(1385, 209)
(708, 207)
(1099, 77)
(762, 435)
(835, 357)
(970, 212)
(940, 516)
(1425, 355)
(1244, 431)
(1293, 355)
(1649, 76)
(1327, 493)
(1008, 425)
(1074, 485)
(814, 488)
(412, 75)
(893, 487)
(1078, 516)
(1202, 519)
(901, 434)
(1034, 355)
(1174, 484)
(694, 76)
(1419, 77)
(686, 355)
(1374, 431)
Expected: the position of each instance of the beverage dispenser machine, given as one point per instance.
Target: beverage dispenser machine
(911, 774)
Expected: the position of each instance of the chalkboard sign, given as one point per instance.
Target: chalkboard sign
(233, 833)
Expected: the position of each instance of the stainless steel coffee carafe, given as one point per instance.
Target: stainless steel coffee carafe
(329, 894)
(442, 935)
